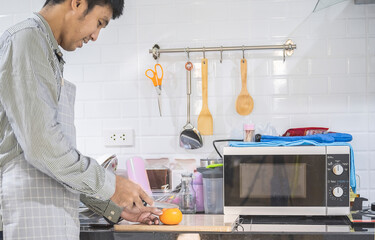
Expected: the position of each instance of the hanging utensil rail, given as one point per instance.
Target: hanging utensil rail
(288, 49)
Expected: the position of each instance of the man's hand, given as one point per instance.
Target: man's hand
(129, 195)
(147, 216)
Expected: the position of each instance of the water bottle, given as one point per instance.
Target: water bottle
(187, 194)
(213, 190)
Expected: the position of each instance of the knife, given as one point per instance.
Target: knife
(161, 205)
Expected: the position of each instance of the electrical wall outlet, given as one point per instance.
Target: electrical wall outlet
(118, 137)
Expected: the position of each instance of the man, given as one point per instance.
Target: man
(42, 173)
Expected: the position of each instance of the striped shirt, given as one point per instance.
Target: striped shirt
(30, 81)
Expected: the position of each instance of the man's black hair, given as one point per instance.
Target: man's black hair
(116, 5)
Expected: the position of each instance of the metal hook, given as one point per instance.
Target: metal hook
(243, 52)
(188, 53)
(204, 52)
(284, 53)
(221, 54)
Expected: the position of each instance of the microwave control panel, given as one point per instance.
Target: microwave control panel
(338, 172)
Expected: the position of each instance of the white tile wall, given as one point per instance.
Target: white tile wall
(329, 81)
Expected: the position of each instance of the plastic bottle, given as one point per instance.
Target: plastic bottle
(213, 190)
(198, 188)
(187, 194)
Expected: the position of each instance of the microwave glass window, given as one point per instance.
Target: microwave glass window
(269, 180)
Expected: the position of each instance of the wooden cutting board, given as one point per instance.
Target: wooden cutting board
(189, 223)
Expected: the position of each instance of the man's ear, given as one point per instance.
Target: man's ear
(75, 4)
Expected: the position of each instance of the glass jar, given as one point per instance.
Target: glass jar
(187, 194)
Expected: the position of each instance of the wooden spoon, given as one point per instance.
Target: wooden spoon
(244, 102)
(205, 121)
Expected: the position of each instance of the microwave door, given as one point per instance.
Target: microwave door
(275, 180)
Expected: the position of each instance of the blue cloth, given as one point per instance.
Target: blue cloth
(353, 183)
(321, 138)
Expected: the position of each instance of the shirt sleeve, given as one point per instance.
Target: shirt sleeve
(29, 93)
(107, 209)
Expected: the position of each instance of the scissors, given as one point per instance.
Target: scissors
(156, 80)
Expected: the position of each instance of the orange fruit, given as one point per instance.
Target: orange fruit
(171, 216)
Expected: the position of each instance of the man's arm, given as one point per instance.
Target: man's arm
(29, 93)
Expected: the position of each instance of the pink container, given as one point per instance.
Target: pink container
(248, 134)
(137, 173)
(198, 188)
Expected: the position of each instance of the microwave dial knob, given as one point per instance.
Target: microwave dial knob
(337, 169)
(338, 192)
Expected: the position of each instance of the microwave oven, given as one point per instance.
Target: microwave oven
(296, 180)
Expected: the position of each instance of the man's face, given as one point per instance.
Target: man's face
(82, 27)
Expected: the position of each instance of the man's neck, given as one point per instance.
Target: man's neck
(56, 17)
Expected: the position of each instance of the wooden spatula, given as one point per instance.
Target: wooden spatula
(205, 121)
(244, 102)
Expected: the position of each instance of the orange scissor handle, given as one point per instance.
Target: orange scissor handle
(154, 75)
(151, 75)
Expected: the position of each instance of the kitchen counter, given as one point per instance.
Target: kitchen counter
(255, 227)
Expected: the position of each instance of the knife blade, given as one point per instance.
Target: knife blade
(161, 205)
